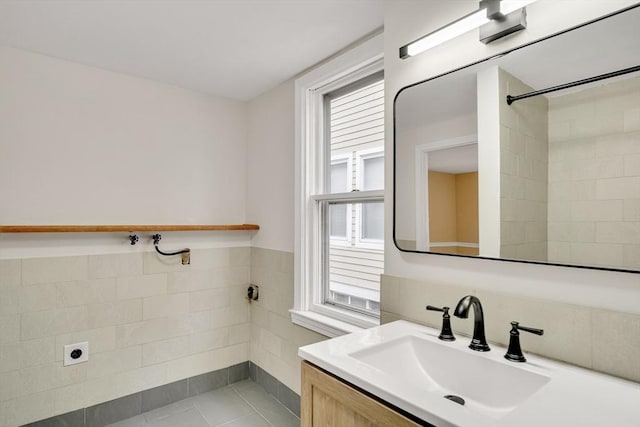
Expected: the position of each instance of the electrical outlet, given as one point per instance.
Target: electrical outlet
(76, 353)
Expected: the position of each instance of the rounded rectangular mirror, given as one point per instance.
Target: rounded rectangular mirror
(532, 155)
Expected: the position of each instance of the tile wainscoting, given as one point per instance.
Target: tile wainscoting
(149, 321)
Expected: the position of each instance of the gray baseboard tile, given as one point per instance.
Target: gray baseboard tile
(208, 382)
(137, 403)
(164, 395)
(238, 372)
(70, 419)
(253, 372)
(113, 411)
(268, 382)
(289, 398)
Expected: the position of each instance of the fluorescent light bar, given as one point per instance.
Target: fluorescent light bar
(459, 27)
(447, 33)
(508, 6)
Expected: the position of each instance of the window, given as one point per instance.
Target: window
(340, 192)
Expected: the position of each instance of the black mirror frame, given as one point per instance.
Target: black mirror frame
(395, 99)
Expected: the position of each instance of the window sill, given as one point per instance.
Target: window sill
(324, 325)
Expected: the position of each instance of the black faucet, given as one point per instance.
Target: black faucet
(514, 352)
(478, 342)
(446, 334)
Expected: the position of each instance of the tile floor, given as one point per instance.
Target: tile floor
(242, 404)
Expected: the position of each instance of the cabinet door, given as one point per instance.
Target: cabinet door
(329, 402)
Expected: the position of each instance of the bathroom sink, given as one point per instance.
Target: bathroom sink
(486, 385)
(407, 366)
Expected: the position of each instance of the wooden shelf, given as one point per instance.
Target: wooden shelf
(122, 228)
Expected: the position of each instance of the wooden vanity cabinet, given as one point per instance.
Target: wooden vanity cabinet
(328, 401)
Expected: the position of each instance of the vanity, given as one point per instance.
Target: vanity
(401, 374)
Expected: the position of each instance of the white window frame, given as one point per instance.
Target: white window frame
(352, 66)
(361, 156)
(344, 158)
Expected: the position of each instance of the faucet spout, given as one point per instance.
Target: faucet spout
(478, 342)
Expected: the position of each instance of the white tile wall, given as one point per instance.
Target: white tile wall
(594, 163)
(148, 321)
(523, 173)
(54, 270)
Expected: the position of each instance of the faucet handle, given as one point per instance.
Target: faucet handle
(517, 326)
(446, 334)
(514, 352)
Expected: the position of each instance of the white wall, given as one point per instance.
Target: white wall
(489, 162)
(408, 140)
(81, 145)
(410, 19)
(270, 167)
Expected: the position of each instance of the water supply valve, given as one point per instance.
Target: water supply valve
(253, 292)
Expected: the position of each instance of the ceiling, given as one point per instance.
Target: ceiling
(231, 48)
(455, 160)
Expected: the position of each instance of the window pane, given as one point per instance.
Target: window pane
(352, 278)
(338, 221)
(373, 173)
(339, 177)
(372, 221)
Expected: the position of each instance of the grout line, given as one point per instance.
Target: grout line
(201, 414)
(253, 407)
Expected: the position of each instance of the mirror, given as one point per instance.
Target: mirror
(548, 178)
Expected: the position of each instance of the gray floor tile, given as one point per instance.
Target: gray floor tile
(189, 418)
(254, 420)
(174, 408)
(243, 404)
(269, 407)
(222, 405)
(137, 421)
(241, 385)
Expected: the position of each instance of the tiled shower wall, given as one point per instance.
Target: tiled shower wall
(594, 176)
(523, 173)
(149, 321)
(274, 339)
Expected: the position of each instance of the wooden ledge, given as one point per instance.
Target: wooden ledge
(123, 228)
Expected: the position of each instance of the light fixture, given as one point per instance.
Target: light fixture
(495, 18)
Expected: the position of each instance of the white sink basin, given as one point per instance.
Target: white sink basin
(486, 385)
(407, 366)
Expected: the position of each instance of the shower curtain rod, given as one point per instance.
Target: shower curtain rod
(512, 99)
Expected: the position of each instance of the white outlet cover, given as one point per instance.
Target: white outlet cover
(68, 349)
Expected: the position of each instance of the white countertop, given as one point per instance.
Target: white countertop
(571, 397)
